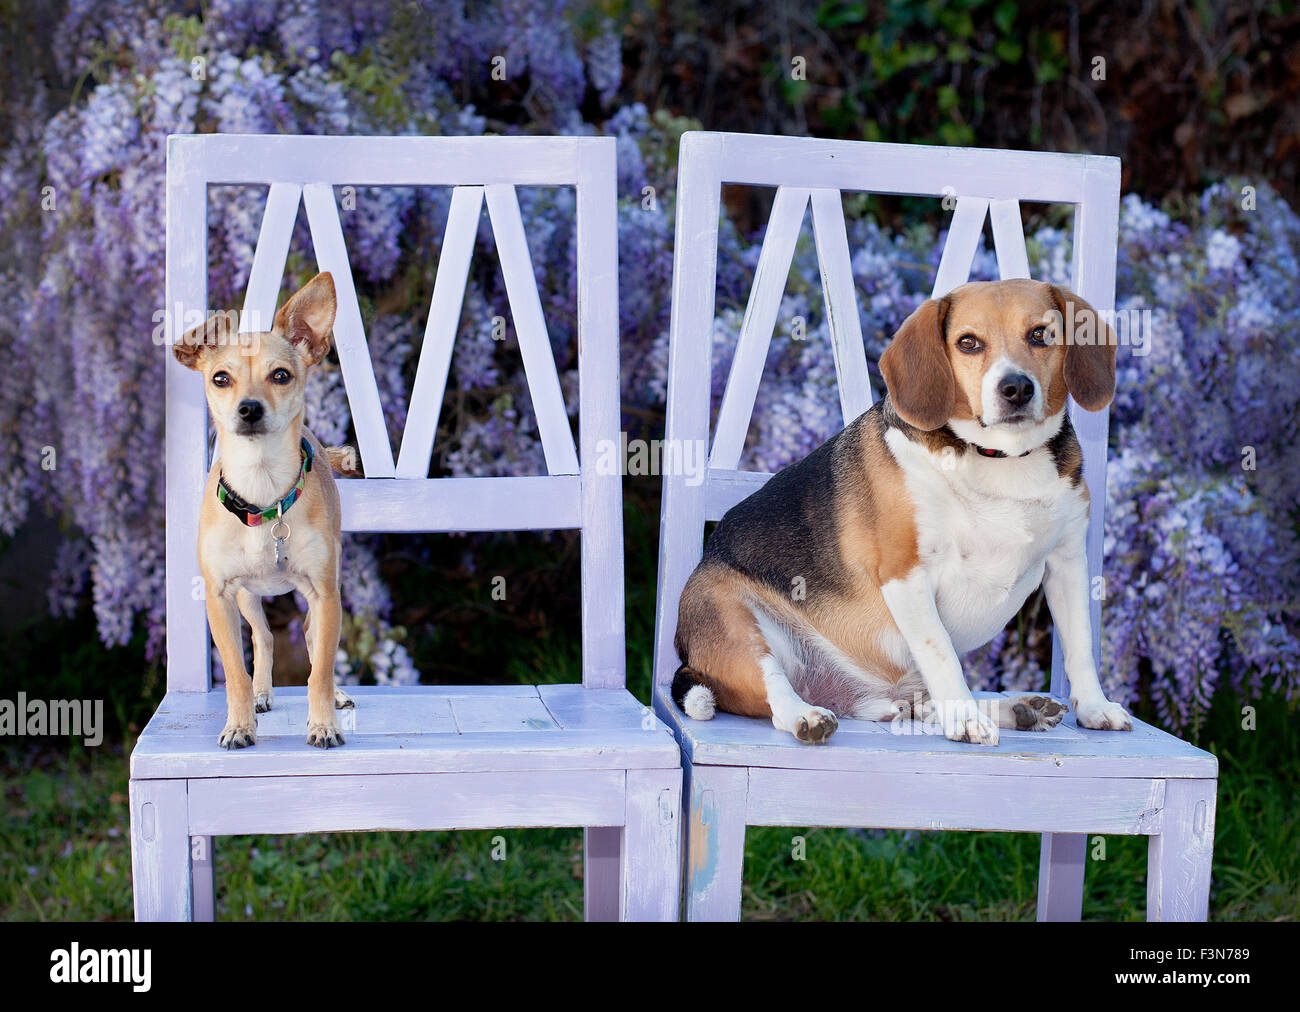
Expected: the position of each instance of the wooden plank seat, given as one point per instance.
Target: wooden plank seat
(412, 729)
(908, 746)
(1068, 782)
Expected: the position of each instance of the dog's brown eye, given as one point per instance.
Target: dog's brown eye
(281, 376)
(969, 343)
(1038, 337)
(221, 379)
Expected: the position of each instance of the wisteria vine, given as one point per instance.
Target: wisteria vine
(1202, 578)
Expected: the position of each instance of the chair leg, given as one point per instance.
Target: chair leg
(601, 879)
(1178, 859)
(160, 851)
(1060, 876)
(203, 858)
(651, 853)
(715, 841)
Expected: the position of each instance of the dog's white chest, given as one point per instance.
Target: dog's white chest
(256, 562)
(248, 557)
(985, 528)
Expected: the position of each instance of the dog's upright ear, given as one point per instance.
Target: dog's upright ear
(1089, 351)
(216, 331)
(308, 318)
(916, 369)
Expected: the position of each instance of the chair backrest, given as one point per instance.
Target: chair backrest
(985, 183)
(398, 495)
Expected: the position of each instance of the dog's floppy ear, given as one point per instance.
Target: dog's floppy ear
(216, 331)
(307, 318)
(1089, 351)
(916, 369)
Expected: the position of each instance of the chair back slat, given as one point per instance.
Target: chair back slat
(269, 257)
(604, 648)
(186, 443)
(440, 332)
(349, 332)
(964, 233)
(451, 505)
(1096, 246)
(1009, 239)
(991, 184)
(756, 331)
(723, 489)
(530, 327)
(836, 264)
(577, 493)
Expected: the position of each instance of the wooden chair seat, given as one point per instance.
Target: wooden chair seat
(1066, 751)
(1067, 783)
(412, 729)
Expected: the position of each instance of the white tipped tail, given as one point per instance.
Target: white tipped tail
(699, 703)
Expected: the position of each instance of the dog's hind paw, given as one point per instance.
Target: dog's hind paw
(342, 701)
(237, 736)
(263, 700)
(1036, 713)
(816, 726)
(324, 735)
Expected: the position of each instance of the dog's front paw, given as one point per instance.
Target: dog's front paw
(236, 735)
(1102, 715)
(263, 700)
(1036, 713)
(816, 726)
(342, 701)
(977, 730)
(962, 720)
(324, 734)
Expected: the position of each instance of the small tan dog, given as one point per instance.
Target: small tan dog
(255, 390)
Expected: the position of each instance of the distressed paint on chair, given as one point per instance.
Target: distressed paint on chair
(1063, 783)
(426, 757)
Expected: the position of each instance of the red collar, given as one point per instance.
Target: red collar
(984, 451)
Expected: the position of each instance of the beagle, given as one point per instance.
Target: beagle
(852, 582)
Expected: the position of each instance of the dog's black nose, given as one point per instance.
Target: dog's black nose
(1016, 389)
(250, 412)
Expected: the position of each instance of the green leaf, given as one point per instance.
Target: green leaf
(1008, 50)
(836, 15)
(1004, 16)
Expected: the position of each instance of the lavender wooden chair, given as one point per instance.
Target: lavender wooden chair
(1065, 783)
(429, 757)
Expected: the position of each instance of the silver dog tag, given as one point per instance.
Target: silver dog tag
(280, 553)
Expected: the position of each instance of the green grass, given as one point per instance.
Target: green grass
(64, 826)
